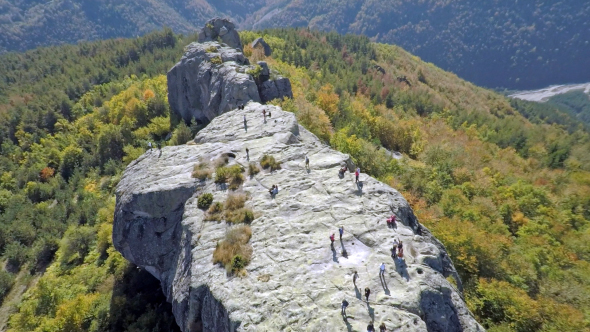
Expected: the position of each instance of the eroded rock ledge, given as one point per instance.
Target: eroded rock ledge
(295, 282)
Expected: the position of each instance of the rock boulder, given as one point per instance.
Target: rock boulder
(260, 42)
(295, 281)
(222, 29)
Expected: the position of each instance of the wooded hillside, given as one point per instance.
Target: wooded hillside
(508, 196)
(512, 44)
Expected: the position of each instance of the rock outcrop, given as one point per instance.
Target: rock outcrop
(294, 282)
(260, 42)
(270, 89)
(213, 78)
(209, 80)
(222, 29)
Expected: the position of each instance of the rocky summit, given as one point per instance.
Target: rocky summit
(295, 280)
(214, 76)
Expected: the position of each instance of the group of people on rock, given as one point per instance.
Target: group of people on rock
(396, 251)
(274, 190)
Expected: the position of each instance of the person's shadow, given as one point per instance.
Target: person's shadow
(344, 252)
(357, 292)
(334, 256)
(384, 284)
(345, 319)
(359, 186)
(246, 125)
(371, 311)
(400, 267)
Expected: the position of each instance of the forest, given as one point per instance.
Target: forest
(497, 44)
(505, 185)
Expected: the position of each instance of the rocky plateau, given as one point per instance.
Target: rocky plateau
(295, 282)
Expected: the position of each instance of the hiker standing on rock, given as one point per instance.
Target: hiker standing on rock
(247, 154)
(367, 293)
(264, 114)
(357, 174)
(344, 305)
(332, 237)
(306, 162)
(370, 327)
(394, 248)
(382, 327)
(355, 276)
(341, 231)
(382, 270)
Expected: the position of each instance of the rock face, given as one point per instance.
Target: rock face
(275, 89)
(260, 42)
(222, 29)
(210, 79)
(213, 78)
(295, 282)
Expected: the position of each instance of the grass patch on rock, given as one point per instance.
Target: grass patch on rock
(253, 169)
(230, 174)
(235, 211)
(215, 212)
(269, 162)
(232, 211)
(234, 252)
(202, 171)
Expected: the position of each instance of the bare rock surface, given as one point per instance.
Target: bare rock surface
(295, 281)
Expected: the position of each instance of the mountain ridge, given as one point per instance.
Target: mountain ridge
(515, 45)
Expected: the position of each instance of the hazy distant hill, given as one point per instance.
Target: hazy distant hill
(508, 43)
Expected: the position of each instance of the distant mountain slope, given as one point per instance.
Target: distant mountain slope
(502, 43)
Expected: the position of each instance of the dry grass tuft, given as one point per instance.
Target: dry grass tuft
(202, 171)
(235, 201)
(269, 162)
(253, 169)
(234, 252)
(214, 213)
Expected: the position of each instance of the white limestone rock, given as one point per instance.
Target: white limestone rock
(294, 282)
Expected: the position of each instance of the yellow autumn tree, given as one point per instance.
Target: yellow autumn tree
(328, 100)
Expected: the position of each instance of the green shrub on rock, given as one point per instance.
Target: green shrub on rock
(205, 201)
